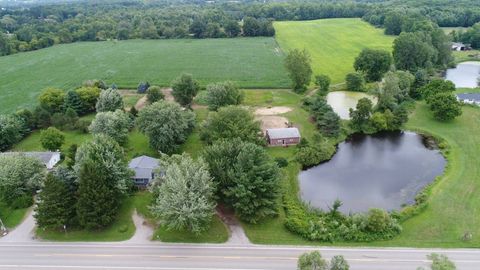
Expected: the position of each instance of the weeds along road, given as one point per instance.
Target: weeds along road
(54, 256)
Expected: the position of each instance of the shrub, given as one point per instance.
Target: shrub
(281, 162)
(154, 94)
(22, 202)
(323, 83)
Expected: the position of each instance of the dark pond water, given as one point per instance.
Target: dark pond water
(384, 171)
(464, 75)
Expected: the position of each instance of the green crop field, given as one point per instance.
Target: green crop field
(251, 62)
(332, 43)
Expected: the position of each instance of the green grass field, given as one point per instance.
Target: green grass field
(332, 43)
(251, 62)
(11, 217)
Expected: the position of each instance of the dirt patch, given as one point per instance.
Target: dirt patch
(141, 103)
(272, 111)
(167, 92)
(272, 121)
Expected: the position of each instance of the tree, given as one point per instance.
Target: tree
(323, 83)
(444, 106)
(71, 152)
(361, 115)
(198, 27)
(329, 124)
(393, 23)
(109, 100)
(232, 28)
(184, 89)
(411, 53)
(298, 65)
(184, 195)
(20, 176)
(373, 63)
(56, 205)
(89, 97)
(115, 124)
(109, 157)
(339, 263)
(257, 180)
(52, 139)
(355, 82)
(378, 121)
(435, 87)
(245, 176)
(312, 261)
(71, 117)
(72, 100)
(231, 122)
(12, 129)
(223, 94)
(154, 94)
(28, 119)
(251, 27)
(98, 197)
(52, 99)
(166, 125)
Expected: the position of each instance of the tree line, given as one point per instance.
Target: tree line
(43, 25)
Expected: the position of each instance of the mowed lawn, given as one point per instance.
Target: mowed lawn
(250, 62)
(332, 43)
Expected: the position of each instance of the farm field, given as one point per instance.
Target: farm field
(332, 43)
(250, 62)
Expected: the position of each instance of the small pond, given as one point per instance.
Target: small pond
(384, 171)
(342, 101)
(465, 75)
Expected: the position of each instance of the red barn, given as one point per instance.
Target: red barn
(282, 136)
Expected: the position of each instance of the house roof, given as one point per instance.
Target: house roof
(281, 133)
(143, 166)
(469, 96)
(44, 157)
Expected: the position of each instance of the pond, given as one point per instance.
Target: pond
(465, 75)
(342, 101)
(384, 171)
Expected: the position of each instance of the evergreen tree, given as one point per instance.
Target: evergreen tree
(329, 124)
(98, 199)
(56, 204)
(72, 100)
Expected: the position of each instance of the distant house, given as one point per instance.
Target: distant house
(469, 98)
(49, 159)
(282, 136)
(144, 168)
(457, 46)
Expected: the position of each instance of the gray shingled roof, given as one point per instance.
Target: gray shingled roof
(281, 133)
(469, 96)
(44, 157)
(143, 166)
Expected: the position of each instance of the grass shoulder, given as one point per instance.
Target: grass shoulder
(12, 217)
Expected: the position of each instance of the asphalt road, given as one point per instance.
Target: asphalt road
(55, 256)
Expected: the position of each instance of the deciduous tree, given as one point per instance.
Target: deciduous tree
(231, 122)
(166, 125)
(109, 100)
(298, 65)
(223, 94)
(374, 63)
(115, 124)
(52, 139)
(184, 194)
(184, 89)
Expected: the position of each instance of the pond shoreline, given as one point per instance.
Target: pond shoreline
(419, 199)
